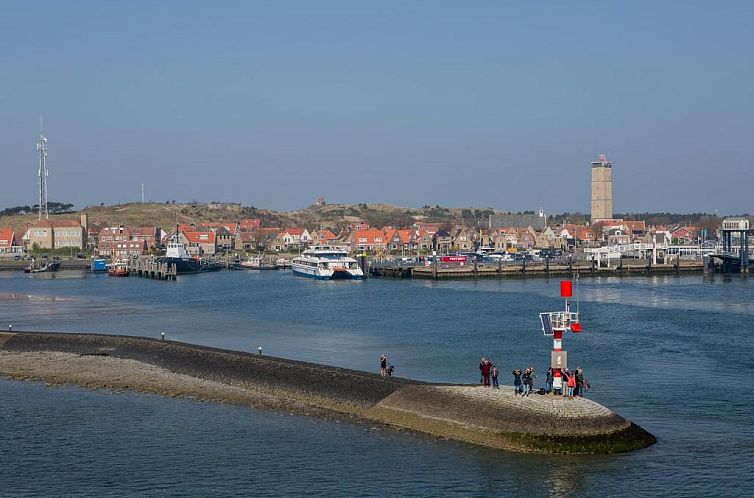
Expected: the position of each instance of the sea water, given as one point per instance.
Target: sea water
(670, 353)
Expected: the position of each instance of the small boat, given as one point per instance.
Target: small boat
(253, 263)
(283, 263)
(256, 263)
(118, 268)
(327, 263)
(49, 266)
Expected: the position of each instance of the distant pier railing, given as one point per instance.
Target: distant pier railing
(147, 268)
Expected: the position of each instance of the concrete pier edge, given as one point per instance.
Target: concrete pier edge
(492, 418)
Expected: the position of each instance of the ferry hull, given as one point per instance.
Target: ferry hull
(338, 275)
(183, 266)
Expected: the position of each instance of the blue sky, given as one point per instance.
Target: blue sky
(499, 104)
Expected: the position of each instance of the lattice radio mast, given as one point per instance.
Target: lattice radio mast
(42, 149)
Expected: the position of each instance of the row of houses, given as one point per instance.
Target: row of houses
(427, 237)
(248, 234)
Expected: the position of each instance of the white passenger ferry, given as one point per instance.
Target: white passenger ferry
(326, 263)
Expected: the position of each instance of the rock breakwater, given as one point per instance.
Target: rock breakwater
(494, 418)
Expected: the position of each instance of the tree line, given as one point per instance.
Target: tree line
(52, 207)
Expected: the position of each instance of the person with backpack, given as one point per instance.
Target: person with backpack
(516, 381)
(494, 378)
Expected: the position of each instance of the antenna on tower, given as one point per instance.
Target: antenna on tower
(43, 173)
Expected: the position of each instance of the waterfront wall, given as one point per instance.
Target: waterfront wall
(469, 271)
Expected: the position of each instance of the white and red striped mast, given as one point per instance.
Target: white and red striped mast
(555, 323)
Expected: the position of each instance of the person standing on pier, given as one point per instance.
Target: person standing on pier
(570, 383)
(516, 381)
(526, 379)
(494, 378)
(581, 383)
(578, 390)
(486, 367)
(383, 365)
(548, 381)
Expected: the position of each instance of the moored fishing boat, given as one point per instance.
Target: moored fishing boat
(118, 268)
(327, 263)
(176, 254)
(49, 266)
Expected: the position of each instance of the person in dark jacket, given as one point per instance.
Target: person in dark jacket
(494, 377)
(527, 380)
(578, 391)
(516, 381)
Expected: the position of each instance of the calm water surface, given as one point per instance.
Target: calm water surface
(672, 354)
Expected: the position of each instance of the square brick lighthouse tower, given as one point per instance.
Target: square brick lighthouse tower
(602, 189)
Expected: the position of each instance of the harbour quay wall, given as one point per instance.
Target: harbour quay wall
(469, 271)
(8, 264)
(490, 417)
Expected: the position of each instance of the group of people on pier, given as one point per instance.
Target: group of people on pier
(523, 382)
(573, 382)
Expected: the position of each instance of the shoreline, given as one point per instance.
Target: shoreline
(469, 413)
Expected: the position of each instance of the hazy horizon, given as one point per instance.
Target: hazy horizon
(272, 104)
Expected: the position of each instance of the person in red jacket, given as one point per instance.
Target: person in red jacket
(486, 368)
(571, 383)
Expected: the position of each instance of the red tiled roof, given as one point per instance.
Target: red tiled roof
(635, 225)
(7, 236)
(370, 234)
(584, 233)
(404, 234)
(250, 223)
(688, 229)
(200, 237)
(295, 231)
